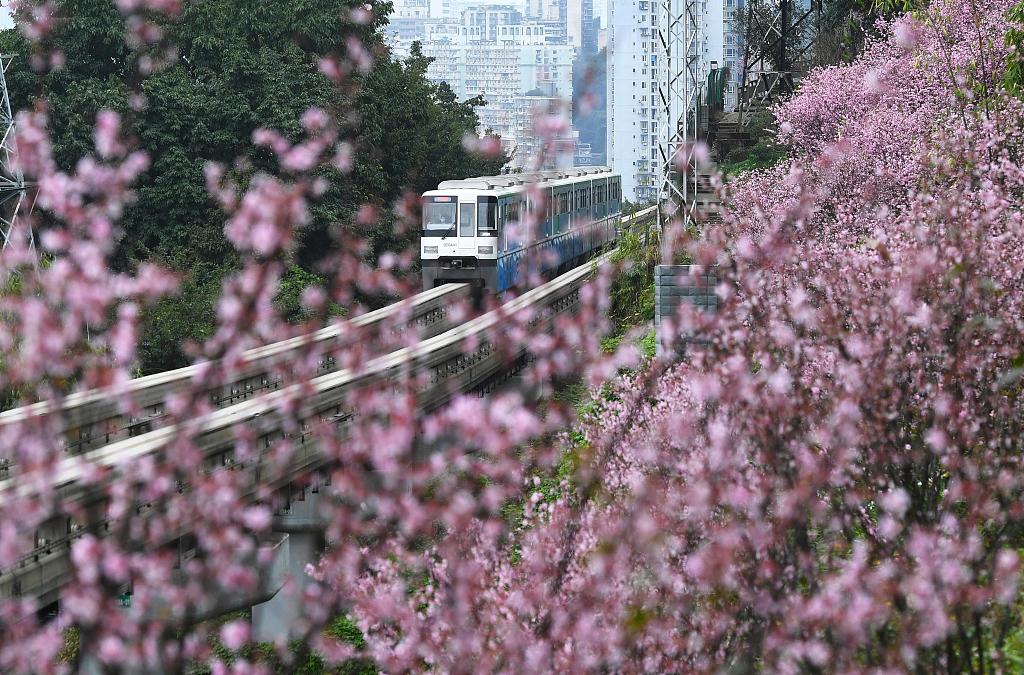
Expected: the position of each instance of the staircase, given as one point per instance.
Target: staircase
(730, 133)
(708, 203)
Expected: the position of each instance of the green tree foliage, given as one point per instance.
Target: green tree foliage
(847, 24)
(1014, 78)
(633, 288)
(242, 65)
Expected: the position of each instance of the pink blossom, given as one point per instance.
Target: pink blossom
(108, 127)
(234, 634)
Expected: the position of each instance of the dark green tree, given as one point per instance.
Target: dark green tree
(242, 65)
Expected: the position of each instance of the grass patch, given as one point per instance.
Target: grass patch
(763, 154)
(632, 292)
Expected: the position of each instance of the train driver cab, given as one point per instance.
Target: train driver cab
(459, 236)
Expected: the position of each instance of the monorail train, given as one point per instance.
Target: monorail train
(472, 228)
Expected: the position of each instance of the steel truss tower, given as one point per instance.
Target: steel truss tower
(780, 35)
(12, 181)
(681, 73)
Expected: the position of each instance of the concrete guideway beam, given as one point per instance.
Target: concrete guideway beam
(95, 418)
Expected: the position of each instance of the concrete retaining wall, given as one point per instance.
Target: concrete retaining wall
(675, 285)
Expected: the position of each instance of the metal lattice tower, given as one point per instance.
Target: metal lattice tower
(680, 77)
(12, 181)
(780, 36)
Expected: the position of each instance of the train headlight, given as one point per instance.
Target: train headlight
(485, 250)
(427, 250)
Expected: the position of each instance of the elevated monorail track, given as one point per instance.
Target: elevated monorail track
(463, 358)
(92, 419)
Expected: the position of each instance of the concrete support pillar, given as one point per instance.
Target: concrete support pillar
(531, 392)
(89, 663)
(278, 619)
(216, 601)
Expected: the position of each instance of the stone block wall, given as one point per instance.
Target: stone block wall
(675, 285)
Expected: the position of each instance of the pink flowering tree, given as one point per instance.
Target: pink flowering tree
(830, 480)
(830, 483)
(72, 324)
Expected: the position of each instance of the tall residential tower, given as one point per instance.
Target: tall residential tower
(635, 71)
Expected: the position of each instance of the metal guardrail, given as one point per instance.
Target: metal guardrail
(459, 360)
(95, 418)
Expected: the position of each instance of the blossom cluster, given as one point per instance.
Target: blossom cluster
(830, 479)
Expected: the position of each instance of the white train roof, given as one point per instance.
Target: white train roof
(516, 179)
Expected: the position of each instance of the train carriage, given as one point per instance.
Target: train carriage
(474, 229)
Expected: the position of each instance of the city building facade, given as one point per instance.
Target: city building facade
(544, 138)
(502, 53)
(636, 71)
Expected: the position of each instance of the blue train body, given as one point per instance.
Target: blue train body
(473, 229)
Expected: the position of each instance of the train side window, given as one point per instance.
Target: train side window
(487, 216)
(513, 233)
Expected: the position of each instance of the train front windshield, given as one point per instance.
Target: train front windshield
(439, 214)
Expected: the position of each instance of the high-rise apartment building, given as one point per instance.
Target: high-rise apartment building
(534, 150)
(554, 15)
(633, 109)
(590, 28)
(490, 17)
(574, 22)
(441, 9)
(494, 51)
(411, 9)
(517, 54)
(635, 71)
(733, 49)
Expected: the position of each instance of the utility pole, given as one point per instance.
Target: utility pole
(12, 181)
(681, 72)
